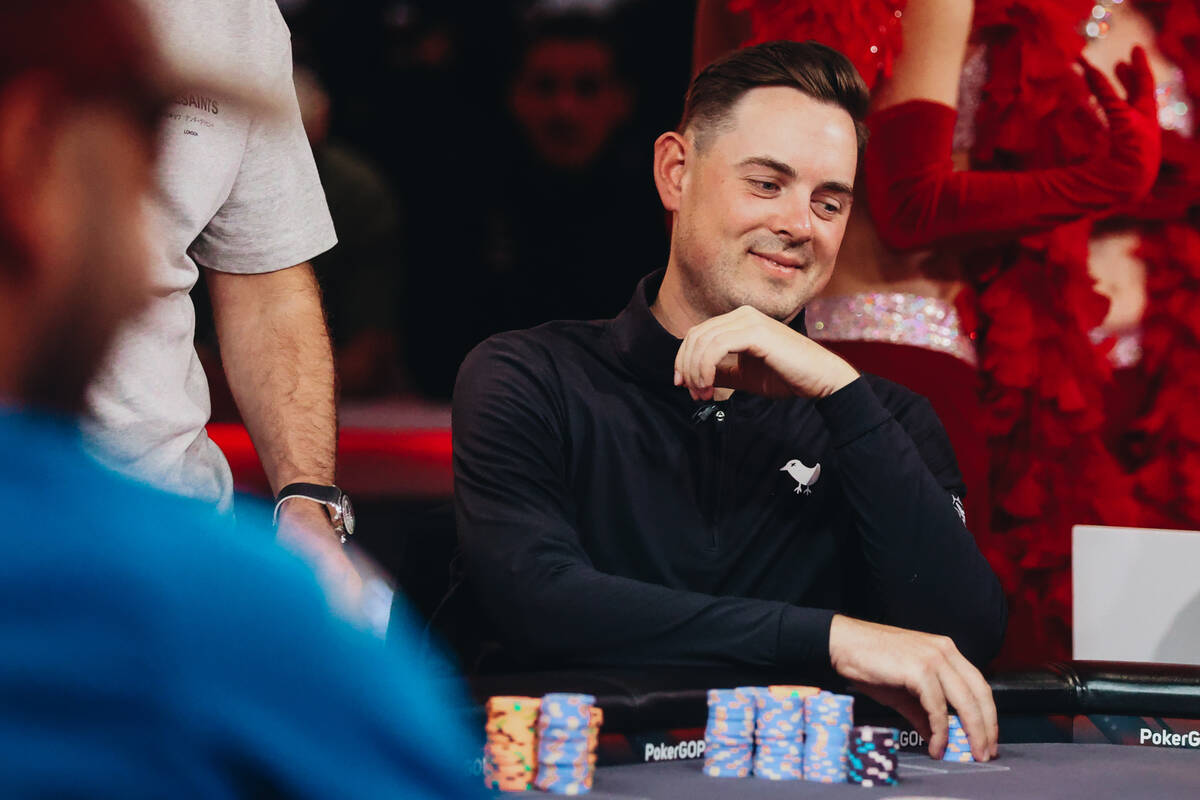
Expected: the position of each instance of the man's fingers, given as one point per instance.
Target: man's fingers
(683, 356)
(718, 346)
(933, 700)
(899, 699)
(682, 360)
(959, 694)
(700, 354)
(982, 693)
(987, 703)
(703, 349)
(703, 365)
(909, 708)
(692, 343)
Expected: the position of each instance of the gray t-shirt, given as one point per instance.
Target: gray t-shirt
(239, 194)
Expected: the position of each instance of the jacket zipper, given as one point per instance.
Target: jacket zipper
(719, 420)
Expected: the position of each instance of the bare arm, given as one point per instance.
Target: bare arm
(916, 196)
(277, 357)
(930, 61)
(279, 362)
(935, 42)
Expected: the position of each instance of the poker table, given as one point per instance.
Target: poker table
(1085, 772)
(1079, 730)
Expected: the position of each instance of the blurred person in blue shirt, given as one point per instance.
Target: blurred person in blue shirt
(146, 649)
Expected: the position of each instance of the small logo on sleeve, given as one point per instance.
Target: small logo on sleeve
(804, 476)
(958, 506)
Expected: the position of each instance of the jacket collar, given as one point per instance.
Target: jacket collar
(647, 348)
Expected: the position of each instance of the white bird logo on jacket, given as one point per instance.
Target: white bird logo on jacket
(803, 475)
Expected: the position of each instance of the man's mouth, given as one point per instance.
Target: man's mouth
(778, 261)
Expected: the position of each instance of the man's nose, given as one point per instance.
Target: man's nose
(793, 219)
(566, 101)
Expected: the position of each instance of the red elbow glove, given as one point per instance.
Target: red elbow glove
(916, 197)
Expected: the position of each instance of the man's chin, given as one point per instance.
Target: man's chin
(781, 302)
(772, 306)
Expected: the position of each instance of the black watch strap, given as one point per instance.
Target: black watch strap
(333, 498)
(313, 491)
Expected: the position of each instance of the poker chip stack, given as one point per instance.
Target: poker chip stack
(957, 747)
(873, 759)
(568, 728)
(510, 753)
(828, 720)
(778, 735)
(729, 737)
(593, 734)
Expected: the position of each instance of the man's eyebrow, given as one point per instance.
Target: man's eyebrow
(837, 187)
(769, 163)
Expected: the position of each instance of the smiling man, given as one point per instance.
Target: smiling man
(698, 482)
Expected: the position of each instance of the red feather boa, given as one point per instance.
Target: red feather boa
(1044, 379)
(1168, 469)
(1035, 300)
(868, 33)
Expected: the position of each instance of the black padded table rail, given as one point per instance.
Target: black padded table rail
(649, 700)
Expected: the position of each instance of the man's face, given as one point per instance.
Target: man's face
(763, 204)
(98, 269)
(568, 100)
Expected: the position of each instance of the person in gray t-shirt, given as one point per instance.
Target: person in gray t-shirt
(240, 197)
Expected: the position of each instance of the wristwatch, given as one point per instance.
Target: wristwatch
(336, 502)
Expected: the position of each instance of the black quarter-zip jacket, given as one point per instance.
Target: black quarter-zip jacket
(607, 519)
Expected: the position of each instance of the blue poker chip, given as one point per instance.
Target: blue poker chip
(779, 737)
(828, 719)
(958, 747)
(729, 735)
(566, 743)
(728, 762)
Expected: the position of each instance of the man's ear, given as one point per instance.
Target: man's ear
(671, 151)
(27, 142)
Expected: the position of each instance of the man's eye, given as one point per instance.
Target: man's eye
(545, 86)
(588, 86)
(765, 186)
(828, 208)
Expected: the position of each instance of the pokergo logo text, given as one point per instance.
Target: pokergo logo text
(693, 748)
(1168, 739)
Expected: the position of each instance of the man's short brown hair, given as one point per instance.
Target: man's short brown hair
(814, 69)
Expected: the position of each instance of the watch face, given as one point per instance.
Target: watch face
(347, 514)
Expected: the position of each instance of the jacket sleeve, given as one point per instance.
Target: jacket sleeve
(517, 529)
(901, 481)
